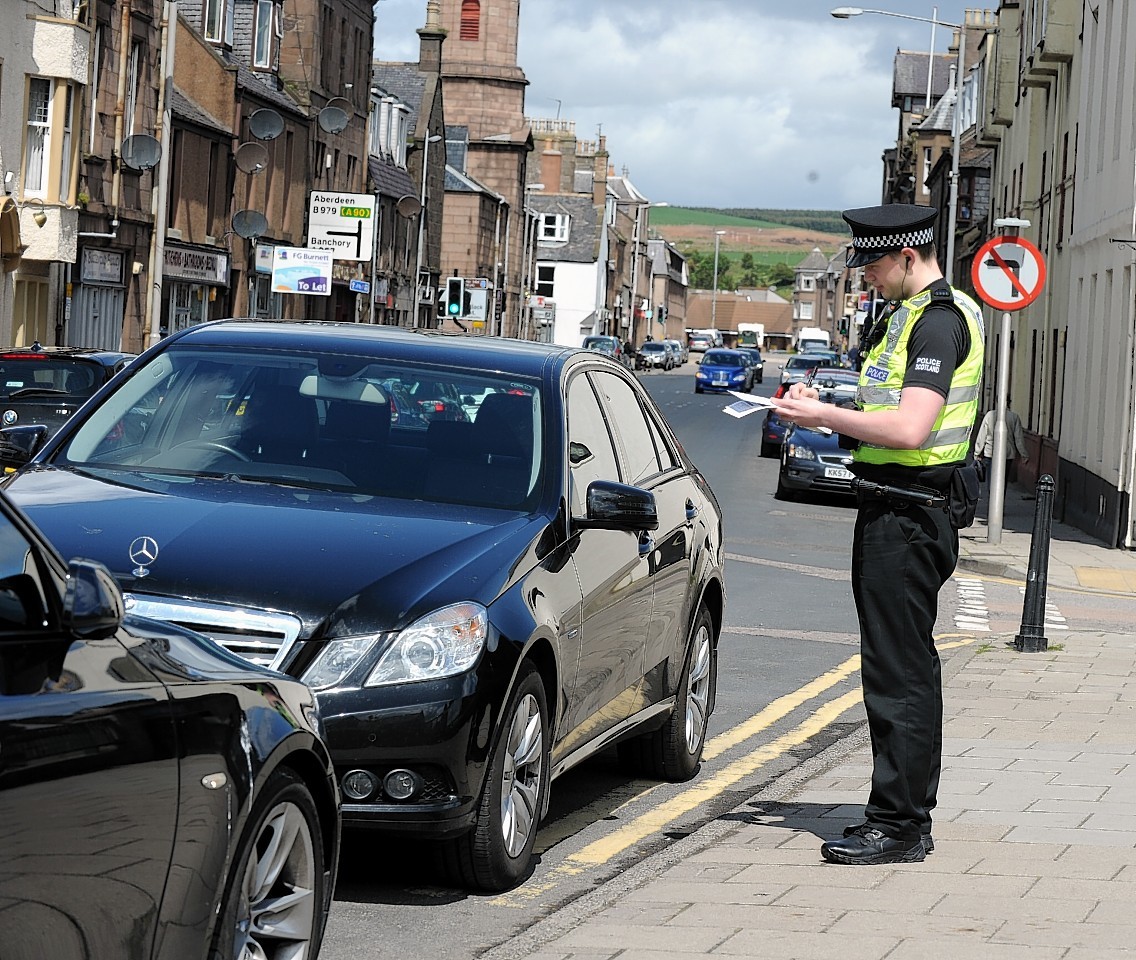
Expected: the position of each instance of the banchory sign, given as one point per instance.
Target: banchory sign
(342, 224)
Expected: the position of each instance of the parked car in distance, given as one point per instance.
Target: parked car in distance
(656, 355)
(681, 349)
(800, 365)
(757, 364)
(160, 797)
(45, 385)
(612, 346)
(835, 384)
(478, 606)
(720, 370)
(701, 342)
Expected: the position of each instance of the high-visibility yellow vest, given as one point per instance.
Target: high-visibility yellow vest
(881, 381)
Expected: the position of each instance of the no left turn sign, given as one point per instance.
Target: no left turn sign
(1008, 272)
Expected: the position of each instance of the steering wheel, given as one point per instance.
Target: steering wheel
(215, 445)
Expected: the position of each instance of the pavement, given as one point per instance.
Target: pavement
(1035, 832)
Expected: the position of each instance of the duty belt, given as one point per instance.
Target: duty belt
(867, 490)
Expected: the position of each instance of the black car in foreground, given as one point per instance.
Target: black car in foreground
(159, 797)
(45, 385)
(479, 605)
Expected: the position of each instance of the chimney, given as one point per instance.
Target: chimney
(430, 39)
(550, 167)
(599, 181)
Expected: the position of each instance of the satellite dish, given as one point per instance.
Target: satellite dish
(408, 206)
(251, 158)
(334, 117)
(140, 152)
(249, 224)
(266, 124)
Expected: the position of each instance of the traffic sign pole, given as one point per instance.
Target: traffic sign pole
(1008, 273)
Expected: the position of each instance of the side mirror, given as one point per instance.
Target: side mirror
(92, 604)
(19, 444)
(617, 506)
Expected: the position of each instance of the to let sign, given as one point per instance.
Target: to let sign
(342, 224)
(1008, 272)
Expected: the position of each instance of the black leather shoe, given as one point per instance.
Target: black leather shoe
(868, 845)
(928, 840)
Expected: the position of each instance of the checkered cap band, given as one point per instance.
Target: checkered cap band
(895, 241)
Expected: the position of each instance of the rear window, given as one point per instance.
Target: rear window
(24, 375)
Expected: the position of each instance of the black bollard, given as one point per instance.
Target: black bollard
(1030, 638)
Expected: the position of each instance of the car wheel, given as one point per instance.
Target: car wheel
(697, 389)
(275, 904)
(760, 379)
(768, 449)
(674, 751)
(783, 492)
(497, 853)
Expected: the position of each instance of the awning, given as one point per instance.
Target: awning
(10, 245)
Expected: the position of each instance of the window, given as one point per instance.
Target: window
(97, 60)
(217, 21)
(131, 106)
(632, 435)
(554, 227)
(590, 453)
(470, 28)
(38, 149)
(266, 31)
(806, 310)
(65, 159)
(926, 166)
(545, 274)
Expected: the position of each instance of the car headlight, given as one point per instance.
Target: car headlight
(338, 659)
(738, 376)
(800, 452)
(702, 376)
(440, 644)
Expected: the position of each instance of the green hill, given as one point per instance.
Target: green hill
(824, 221)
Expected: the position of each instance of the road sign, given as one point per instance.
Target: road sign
(343, 224)
(300, 270)
(360, 286)
(1008, 272)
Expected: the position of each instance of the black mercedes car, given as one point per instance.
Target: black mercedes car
(159, 796)
(480, 605)
(45, 385)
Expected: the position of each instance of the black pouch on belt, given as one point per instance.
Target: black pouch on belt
(963, 500)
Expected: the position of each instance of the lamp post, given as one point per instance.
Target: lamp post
(844, 13)
(421, 229)
(714, 293)
(636, 235)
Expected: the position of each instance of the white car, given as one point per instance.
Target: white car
(654, 353)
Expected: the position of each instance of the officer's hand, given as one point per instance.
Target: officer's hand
(806, 411)
(798, 391)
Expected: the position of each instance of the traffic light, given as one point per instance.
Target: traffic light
(662, 314)
(441, 303)
(456, 297)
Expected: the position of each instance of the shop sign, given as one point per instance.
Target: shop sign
(204, 266)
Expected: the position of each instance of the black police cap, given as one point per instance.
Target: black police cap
(893, 226)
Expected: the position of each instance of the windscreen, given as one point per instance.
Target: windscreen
(335, 422)
(27, 376)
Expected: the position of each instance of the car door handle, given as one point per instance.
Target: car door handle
(646, 544)
(691, 510)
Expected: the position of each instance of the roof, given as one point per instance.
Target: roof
(814, 261)
(402, 80)
(941, 116)
(185, 108)
(909, 75)
(519, 357)
(583, 227)
(263, 86)
(390, 180)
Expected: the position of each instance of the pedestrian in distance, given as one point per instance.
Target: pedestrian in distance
(1015, 442)
(910, 430)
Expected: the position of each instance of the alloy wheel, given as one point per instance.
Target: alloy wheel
(521, 776)
(698, 689)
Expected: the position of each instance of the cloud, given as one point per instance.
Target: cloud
(718, 103)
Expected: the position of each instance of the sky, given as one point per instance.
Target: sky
(717, 103)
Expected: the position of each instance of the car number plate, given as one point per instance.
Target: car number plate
(838, 473)
(721, 382)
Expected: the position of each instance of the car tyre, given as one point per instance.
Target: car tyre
(784, 492)
(697, 389)
(674, 751)
(275, 902)
(498, 852)
(768, 449)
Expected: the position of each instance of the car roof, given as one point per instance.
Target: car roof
(518, 357)
(105, 357)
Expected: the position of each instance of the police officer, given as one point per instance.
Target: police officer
(916, 404)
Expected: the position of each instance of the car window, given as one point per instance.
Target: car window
(357, 424)
(28, 374)
(591, 455)
(632, 435)
(727, 358)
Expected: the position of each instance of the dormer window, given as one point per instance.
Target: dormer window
(554, 227)
(217, 21)
(266, 34)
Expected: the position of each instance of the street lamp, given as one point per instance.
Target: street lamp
(421, 228)
(844, 13)
(635, 240)
(714, 293)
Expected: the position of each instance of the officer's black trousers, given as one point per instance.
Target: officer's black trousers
(901, 556)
